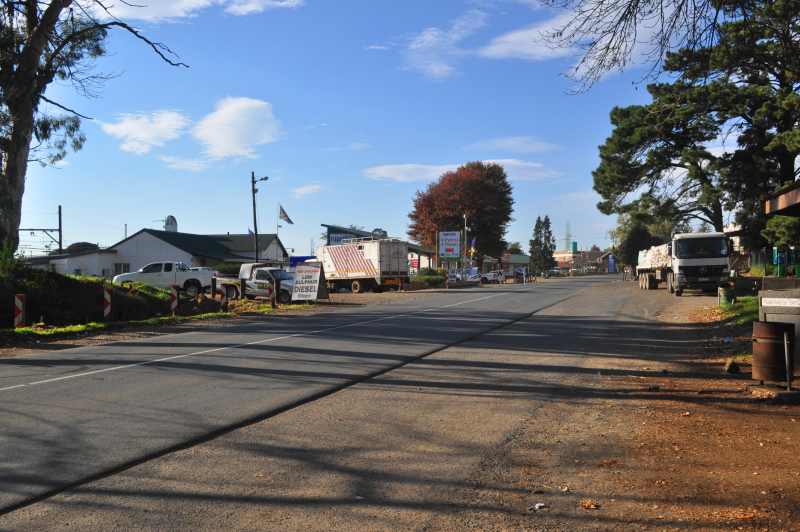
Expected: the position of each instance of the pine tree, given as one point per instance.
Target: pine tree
(537, 263)
(548, 243)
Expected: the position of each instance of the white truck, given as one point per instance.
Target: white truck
(364, 264)
(690, 261)
(167, 275)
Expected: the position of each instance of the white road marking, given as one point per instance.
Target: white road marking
(236, 346)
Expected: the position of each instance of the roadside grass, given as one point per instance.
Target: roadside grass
(743, 311)
(46, 332)
(41, 330)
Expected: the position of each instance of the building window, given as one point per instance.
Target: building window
(121, 267)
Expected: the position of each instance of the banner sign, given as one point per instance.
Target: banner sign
(306, 282)
(450, 244)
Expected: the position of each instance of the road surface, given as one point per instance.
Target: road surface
(72, 416)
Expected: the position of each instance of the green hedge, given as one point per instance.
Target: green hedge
(57, 299)
(431, 281)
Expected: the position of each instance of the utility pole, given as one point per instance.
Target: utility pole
(254, 190)
(60, 232)
(48, 232)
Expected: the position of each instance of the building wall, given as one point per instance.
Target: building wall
(273, 252)
(144, 248)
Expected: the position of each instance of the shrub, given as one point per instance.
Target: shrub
(429, 281)
(56, 299)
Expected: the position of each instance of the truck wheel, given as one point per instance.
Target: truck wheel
(678, 292)
(285, 298)
(192, 287)
(357, 287)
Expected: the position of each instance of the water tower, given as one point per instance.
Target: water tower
(171, 224)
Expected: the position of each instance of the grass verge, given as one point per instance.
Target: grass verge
(44, 332)
(743, 311)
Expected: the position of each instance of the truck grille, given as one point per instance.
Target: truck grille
(703, 271)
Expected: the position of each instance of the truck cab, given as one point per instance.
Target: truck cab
(699, 261)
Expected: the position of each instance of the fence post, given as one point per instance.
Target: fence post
(107, 302)
(19, 310)
(173, 300)
(214, 288)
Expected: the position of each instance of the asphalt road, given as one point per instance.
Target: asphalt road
(71, 416)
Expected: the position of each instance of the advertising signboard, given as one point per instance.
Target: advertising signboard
(306, 282)
(449, 244)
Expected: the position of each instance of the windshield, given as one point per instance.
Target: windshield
(701, 248)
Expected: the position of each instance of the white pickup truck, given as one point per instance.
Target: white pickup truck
(168, 274)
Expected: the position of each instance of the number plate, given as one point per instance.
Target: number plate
(702, 279)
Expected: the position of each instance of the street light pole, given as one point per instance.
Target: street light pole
(253, 181)
(465, 241)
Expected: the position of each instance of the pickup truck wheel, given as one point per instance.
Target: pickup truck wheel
(678, 293)
(192, 287)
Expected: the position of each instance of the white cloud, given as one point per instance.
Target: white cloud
(530, 43)
(166, 10)
(407, 173)
(247, 7)
(376, 47)
(183, 164)
(236, 127)
(516, 169)
(435, 51)
(513, 144)
(305, 190)
(141, 132)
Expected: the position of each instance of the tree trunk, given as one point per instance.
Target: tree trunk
(717, 217)
(12, 180)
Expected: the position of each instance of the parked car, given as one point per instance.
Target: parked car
(169, 274)
(496, 276)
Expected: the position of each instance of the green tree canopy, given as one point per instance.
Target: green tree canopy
(542, 245)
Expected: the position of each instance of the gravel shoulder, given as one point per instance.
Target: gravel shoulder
(608, 417)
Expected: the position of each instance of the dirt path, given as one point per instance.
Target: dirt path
(586, 408)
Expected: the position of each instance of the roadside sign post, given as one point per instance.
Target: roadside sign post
(19, 310)
(306, 282)
(106, 303)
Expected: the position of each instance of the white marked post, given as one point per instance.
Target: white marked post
(173, 300)
(106, 302)
(19, 310)
(306, 282)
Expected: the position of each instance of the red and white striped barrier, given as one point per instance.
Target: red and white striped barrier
(19, 310)
(106, 302)
(173, 300)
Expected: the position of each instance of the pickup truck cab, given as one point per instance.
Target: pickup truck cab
(168, 274)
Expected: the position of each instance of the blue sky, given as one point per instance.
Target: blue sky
(350, 106)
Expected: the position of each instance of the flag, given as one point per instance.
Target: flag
(283, 216)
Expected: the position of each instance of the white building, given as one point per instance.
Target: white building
(150, 245)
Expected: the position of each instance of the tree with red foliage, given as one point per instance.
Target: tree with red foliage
(479, 190)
